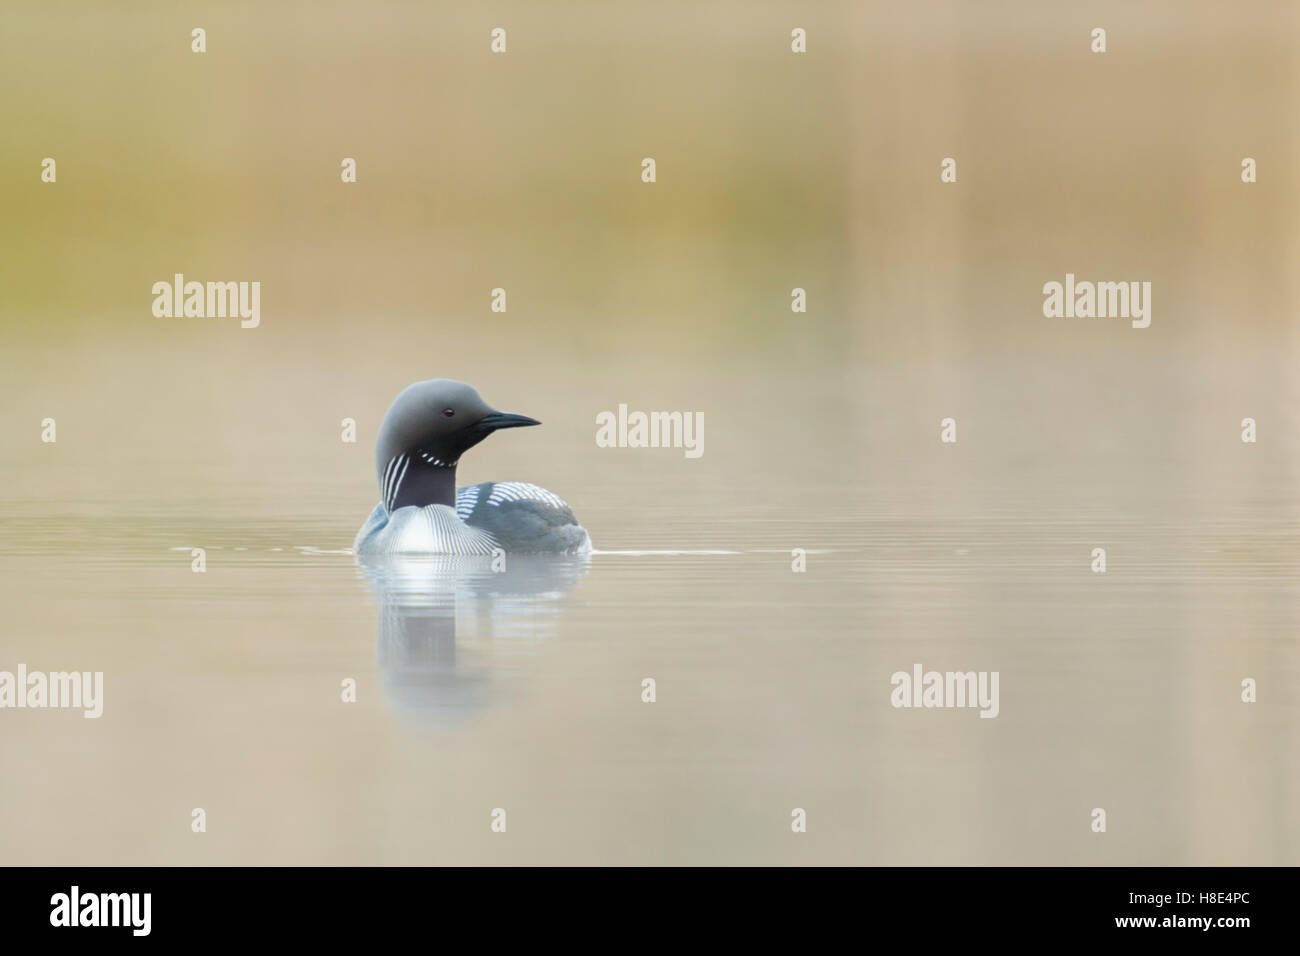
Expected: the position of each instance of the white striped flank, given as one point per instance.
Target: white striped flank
(433, 529)
(466, 501)
(509, 515)
(504, 491)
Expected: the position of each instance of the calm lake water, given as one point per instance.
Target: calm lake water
(522, 690)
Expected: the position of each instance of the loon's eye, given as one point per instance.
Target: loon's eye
(449, 412)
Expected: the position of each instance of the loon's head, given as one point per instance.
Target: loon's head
(438, 421)
(427, 428)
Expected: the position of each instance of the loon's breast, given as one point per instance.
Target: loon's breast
(510, 515)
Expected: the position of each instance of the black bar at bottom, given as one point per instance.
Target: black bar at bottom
(336, 904)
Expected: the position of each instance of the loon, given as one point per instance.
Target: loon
(421, 511)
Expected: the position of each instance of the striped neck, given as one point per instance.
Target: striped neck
(418, 478)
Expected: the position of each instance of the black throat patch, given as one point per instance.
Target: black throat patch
(418, 478)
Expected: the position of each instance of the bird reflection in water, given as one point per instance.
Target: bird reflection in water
(450, 626)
